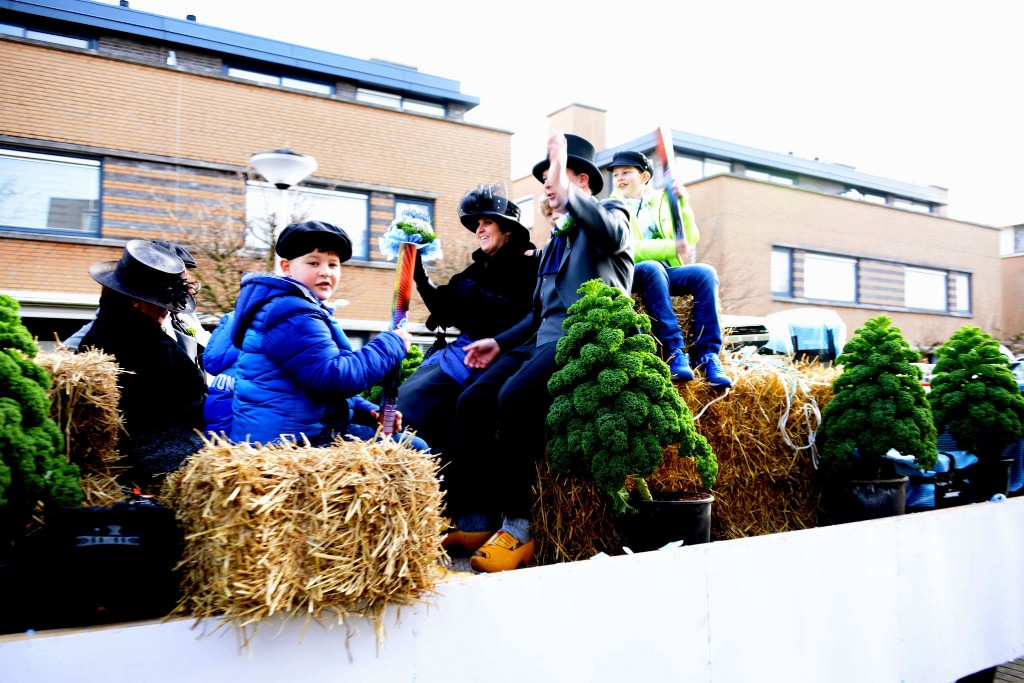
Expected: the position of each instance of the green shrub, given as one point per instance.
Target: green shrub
(878, 404)
(614, 408)
(974, 394)
(32, 464)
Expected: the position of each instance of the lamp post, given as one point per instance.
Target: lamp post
(283, 169)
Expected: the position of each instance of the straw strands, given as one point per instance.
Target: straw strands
(84, 395)
(298, 531)
(762, 432)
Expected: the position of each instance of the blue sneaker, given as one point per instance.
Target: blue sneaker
(713, 372)
(679, 366)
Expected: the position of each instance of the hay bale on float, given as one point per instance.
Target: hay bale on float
(291, 530)
(761, 431)
(84, 396)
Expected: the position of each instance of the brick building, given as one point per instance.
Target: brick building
(119, 124)
(785, 232)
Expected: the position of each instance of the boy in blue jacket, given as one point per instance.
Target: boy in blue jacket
(296, 374)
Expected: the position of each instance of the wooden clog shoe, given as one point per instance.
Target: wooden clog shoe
(502, 552)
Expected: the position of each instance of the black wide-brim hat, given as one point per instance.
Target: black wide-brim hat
(301, 238)
(149, 273)
(489, 200)
(580, 158)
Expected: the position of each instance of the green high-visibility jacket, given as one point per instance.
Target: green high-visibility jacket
(663, 246)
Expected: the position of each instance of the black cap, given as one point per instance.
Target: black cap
(631, 158)
(301, 238)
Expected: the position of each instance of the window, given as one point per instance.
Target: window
(689, 168)
(911, 205)
(58, 38)
(1018, 239)
(285, 81)
(770, 177)
(403, 204)
(782, 269)
(925, 289)
(268, 210)
(49, 192)
(833, 278)
(387, 99)
(962, 292)
(716, 167)
(528, 211)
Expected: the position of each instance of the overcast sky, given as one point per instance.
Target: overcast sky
(926, 92)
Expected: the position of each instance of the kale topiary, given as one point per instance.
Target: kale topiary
(412, 360)
(974, 394)
(878, 404)
(614, 408)
(32, 464)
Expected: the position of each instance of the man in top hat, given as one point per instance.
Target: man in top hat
(499, 433)
(662, 271)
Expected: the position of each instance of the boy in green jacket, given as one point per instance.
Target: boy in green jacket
(660, 273)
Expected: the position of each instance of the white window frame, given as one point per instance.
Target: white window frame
(264, 203)
(782, 271)
(30, 208)
(824, 277)
(925, 289)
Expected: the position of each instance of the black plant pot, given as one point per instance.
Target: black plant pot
(991, 476)
(857, 501)
(670, 517)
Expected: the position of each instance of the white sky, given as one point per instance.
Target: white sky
(926, 92)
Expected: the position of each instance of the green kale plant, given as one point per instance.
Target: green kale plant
(878, 404)
(614, 408)
(974, 395)
(412, 360)
(32, 464)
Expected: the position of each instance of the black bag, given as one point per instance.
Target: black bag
(100, 565)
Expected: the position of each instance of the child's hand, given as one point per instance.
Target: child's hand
(403, 332)
(378, 418)
(683, 251)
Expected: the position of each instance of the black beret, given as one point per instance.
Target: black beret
(299, 239)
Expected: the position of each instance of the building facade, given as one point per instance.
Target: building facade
(119, 124)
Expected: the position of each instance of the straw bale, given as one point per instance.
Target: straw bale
(320, 533)
(84, 396)
(762, 433)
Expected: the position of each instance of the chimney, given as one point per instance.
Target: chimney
(582, 120)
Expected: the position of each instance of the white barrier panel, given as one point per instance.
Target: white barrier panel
(928, 597)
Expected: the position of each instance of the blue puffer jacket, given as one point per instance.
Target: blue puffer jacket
(219, 361)
(297, 373)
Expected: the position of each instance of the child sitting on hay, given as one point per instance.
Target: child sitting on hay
(296, 373)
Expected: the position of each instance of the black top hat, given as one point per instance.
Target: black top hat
(149, 273)
(301, 238)
(179, 251)
(490, 200)
(630, 158)
(580, 158)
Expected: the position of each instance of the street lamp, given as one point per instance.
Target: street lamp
(283, 169)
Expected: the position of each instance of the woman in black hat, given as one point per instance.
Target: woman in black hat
(486, 298)
(162, 389)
